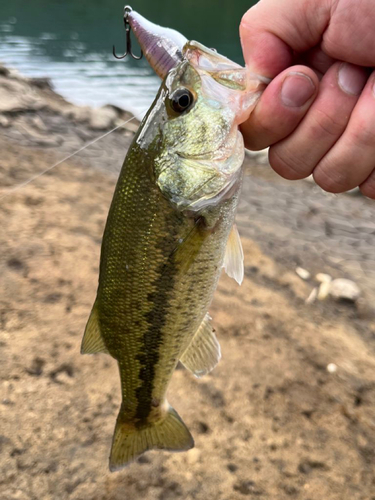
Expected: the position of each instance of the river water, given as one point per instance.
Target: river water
(71, 41)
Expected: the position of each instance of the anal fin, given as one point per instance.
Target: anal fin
(233, 260)
(203, 353)
(92, 341)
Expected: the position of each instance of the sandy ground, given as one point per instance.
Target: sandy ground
(270, 422)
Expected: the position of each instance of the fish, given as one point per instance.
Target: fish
(170, 230)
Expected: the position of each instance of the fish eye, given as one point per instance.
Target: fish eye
(181, 100)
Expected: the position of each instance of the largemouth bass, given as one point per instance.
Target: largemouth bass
(169, 232)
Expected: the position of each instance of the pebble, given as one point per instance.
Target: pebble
(324, 290)
(103, 118)
(63, 378)
(193, 456)
(303, 273)
(344, 289)
(331, 368)
(312, 297)
(4, 121)
(323, 278)
(16, 95)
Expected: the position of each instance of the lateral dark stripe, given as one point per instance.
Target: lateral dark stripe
(153, 337)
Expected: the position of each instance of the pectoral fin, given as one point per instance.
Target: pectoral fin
(233, 260)
(189, 247)
(203, 353)
(92, 341)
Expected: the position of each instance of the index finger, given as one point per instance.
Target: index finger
(273, 30)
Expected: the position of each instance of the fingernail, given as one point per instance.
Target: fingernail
(352, 78)
(296, 90)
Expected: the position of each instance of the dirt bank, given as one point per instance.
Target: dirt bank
(289, 413)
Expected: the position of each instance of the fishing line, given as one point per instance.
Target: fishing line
(36, 176)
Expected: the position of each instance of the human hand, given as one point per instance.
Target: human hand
(318, 113)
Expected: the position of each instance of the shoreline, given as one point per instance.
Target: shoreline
(33, 115)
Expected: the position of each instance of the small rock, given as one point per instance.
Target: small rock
(303, 273)
(343, 289)
(193, 455)
(247, 488)
(7, 401)
(78, 114)
(4, 121)
(42, 83)
(203, 428)
(323, 278)
(312, 297)
(63, 378)
(307, 465)
(3, 70)
(324, 290)
(331, 368)
(63, 374)
(17, 96)
(103, 118)
(36, 367)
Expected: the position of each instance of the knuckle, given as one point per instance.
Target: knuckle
(330, 180)
(329, 124)
(287, 164)
(368, 187)
(363, 136)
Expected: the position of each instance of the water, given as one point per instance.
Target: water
(71, 42)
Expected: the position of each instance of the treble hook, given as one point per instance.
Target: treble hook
(127, 10)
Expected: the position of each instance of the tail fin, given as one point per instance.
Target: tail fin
(129, 442)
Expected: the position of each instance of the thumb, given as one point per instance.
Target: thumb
(273, 30)
(281, 107)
